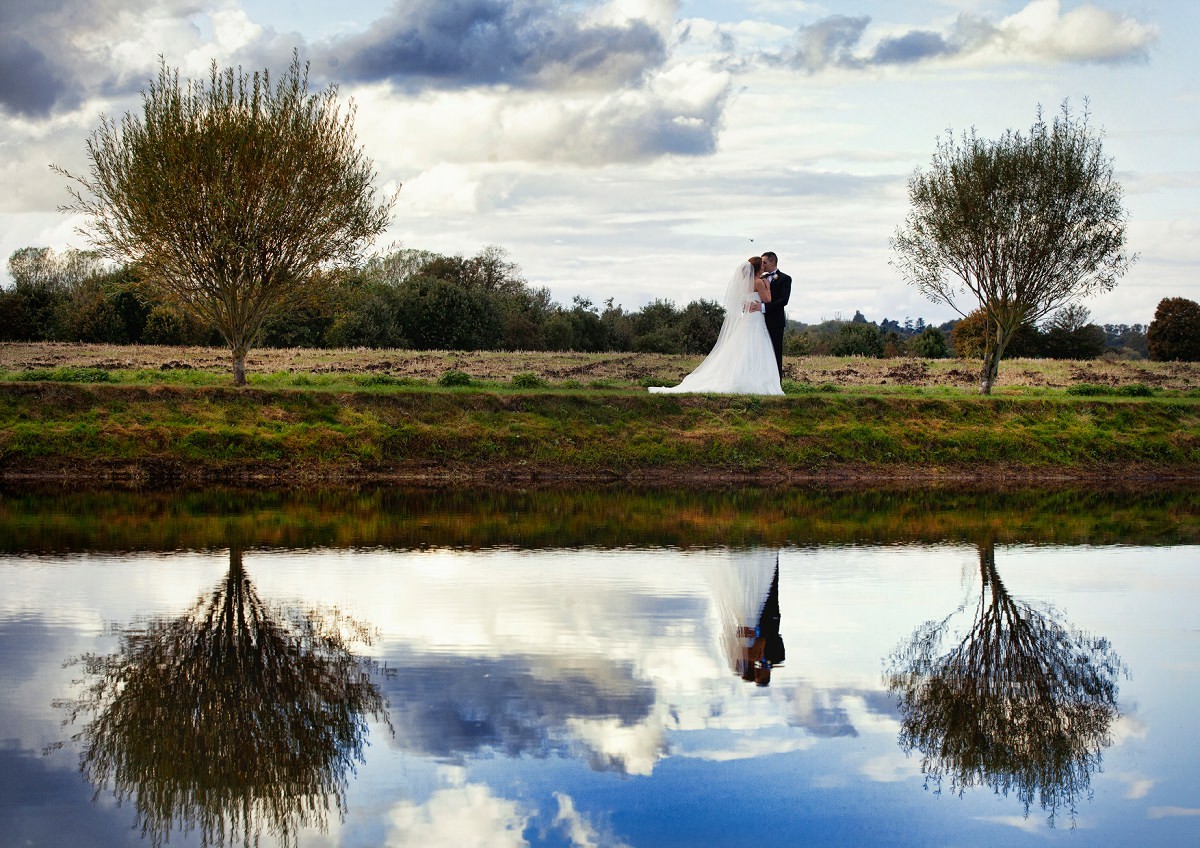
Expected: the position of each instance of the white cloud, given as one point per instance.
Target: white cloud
(1138, 788)
(1085, 34)
(749, 747)
(891, 768)
(1128, 727)
(1172, 812)
(633, 748)
(467, 816)
(1039, 32)
(581, 832)
(1025, 823)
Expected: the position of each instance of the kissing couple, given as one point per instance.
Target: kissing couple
(748, 356)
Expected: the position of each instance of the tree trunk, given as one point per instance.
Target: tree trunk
(987, 374)
(993, 349)
(239, 366)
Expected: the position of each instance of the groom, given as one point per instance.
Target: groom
(781, 290)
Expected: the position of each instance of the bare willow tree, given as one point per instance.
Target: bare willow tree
(231, 194)
(1017, 227)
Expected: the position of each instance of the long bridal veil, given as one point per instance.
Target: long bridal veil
(742, 361)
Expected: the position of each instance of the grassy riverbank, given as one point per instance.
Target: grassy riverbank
(429, 433)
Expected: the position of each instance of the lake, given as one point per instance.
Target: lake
(610, 667)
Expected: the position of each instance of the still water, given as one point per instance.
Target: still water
(600, 669)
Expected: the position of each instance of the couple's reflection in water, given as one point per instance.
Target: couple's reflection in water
(233, 720)
(1017, 701)
(746, 594)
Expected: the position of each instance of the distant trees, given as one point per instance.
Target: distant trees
(930, 343)
(231, 195)
(1174, 333)
(1017, 227)
(73, 295)
(1126, 341)
(858, 338)
(386, 302)
(1070, 335)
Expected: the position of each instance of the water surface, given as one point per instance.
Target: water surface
(599, 668)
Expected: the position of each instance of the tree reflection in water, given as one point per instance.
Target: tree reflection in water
(1021, 704)
(231, 720)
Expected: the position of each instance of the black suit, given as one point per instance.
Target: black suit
(776, 318)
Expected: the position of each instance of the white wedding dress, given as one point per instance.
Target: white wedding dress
(742, 361)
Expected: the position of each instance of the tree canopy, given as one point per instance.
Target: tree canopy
(1174, 334)
(231, 194)
(1017, 227)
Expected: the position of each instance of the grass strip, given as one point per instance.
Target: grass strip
(574, 432)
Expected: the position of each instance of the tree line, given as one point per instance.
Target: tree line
(421, 300)
(1069, 334)
(408, 298)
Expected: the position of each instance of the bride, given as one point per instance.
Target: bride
(742, 361)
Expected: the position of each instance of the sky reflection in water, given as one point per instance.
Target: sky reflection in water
(596, 696)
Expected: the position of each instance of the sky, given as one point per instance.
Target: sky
(631, 150)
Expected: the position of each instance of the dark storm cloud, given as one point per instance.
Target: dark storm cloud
(33, 77)
(493, 42)
(911, 47)
(30, 84)
(42, 68)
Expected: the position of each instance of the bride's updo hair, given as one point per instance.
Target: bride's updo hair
(756, 263)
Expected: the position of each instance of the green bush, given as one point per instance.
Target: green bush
(1136, 390)
(454, 377)
(68, 375)
(528, 381)
(791, 387)
(1088, 390)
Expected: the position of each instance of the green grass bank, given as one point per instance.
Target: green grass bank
(96, 432)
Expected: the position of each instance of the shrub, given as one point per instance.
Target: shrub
(1136, 390)
(68, 375)
(528, 381)
(454, 377)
